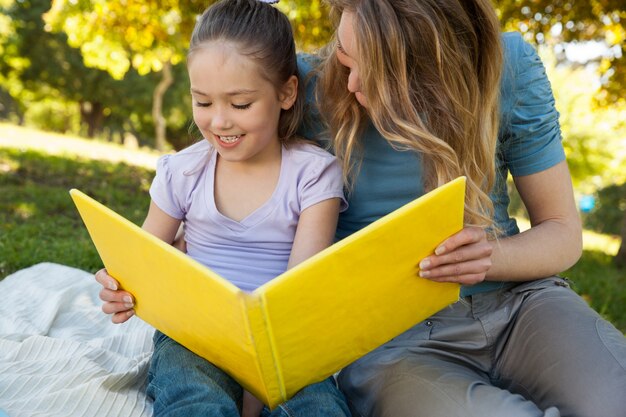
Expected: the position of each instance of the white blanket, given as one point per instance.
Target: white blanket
(61, 356)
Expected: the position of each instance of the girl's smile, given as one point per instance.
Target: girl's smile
(235, 107)
(229, 141)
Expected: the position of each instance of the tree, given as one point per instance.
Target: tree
(37, 65)
(566, 21)
(148, 35)
(311, 24)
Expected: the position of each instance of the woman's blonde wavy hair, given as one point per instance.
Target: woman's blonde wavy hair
(430, 71)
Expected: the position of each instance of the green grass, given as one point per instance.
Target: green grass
(39, 223)
(38, 220)
(602, 285)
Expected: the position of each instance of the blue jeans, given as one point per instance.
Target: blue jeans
(183, 384)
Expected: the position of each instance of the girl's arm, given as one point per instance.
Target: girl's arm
(469, 258)
(120, 303)
(316, 230)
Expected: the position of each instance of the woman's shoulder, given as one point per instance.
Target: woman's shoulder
(515, 48)
(522, 70)
(307, 63)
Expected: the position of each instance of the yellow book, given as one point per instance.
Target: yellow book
(307, 323)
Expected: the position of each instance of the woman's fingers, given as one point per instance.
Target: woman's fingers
(466, 236)
(464, 258)
(467, 273)
(475, 251)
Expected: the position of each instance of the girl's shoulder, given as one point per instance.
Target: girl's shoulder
(307, 163)
(192, 158)
(305, 152)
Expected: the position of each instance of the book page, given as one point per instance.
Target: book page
(361, 292)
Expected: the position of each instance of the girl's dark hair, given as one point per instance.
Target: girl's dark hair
(262, 33)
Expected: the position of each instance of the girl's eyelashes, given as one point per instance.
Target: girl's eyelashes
(235, 106)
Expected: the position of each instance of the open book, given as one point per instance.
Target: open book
(307, 323)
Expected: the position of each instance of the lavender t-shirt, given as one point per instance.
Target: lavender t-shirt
(256, 249)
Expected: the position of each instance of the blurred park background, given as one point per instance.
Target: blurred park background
(92, 91)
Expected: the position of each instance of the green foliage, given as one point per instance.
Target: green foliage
(38, 221)
(553, 22)
(53, 114)
(594, 137)
(48, 82)
(115, 35)
(602, 285)
(311, 23)
(608, 213)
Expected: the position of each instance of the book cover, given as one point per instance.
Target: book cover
(307, 323)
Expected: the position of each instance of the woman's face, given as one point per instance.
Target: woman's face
(346, 54)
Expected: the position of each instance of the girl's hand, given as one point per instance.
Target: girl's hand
(465, 257)
(252, 407)
(115, 301)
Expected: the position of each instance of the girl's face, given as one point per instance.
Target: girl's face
(234, 106)
(347, 55)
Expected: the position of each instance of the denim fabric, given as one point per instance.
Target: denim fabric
(183, 384)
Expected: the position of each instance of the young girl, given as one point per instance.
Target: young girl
(254, 200)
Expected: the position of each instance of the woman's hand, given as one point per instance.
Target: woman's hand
(115, 301)
(465, 257)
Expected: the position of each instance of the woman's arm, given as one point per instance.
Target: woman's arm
(316, 230)
(120, 303)
(551, 245)
(554, 241)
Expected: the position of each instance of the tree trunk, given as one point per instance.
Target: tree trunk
(620, 258)
(157, 106)
(92, 114)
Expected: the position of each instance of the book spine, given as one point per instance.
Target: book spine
(267, 362)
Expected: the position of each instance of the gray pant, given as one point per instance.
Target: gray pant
(535, 349)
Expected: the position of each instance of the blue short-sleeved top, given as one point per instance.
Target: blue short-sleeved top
(529, 141)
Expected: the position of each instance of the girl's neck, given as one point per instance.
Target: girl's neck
(269, 158)
(241, 187)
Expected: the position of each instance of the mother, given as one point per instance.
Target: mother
(435, 91)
